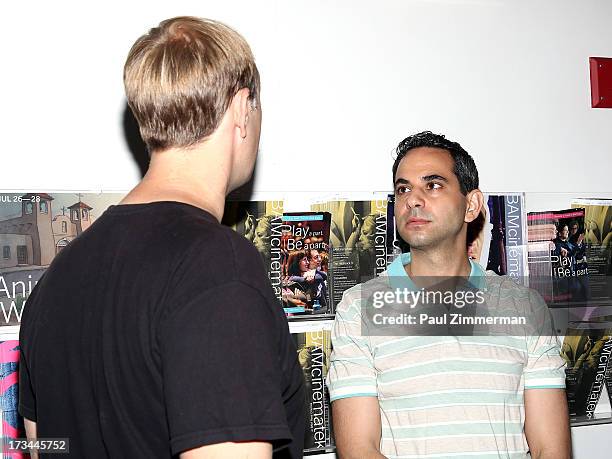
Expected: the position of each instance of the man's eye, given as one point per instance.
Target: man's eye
(401, 190)
(433, 186)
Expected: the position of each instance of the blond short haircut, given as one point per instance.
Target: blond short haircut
(180, 79)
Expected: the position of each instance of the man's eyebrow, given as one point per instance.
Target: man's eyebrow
(425, 178)
(429, 178)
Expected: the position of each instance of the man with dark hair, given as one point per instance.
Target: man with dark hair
(576, 237)
(156, 333)
(444, 395)
(464, 167)
(574, 227)
(563, 246)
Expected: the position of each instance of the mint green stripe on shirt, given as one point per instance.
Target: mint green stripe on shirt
(427, 368)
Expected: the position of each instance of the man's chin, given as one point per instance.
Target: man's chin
(422, 240)
(418, 243)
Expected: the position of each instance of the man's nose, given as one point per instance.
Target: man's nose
(415, 199)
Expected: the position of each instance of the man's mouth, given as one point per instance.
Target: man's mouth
(414, 221)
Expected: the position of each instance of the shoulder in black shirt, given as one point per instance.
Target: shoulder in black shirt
(154, 332)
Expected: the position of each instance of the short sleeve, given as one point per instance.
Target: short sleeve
(221, 372)
(351, 370)
(545, 367)
(27, 400)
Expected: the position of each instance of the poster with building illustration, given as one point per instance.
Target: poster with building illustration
(34, 228)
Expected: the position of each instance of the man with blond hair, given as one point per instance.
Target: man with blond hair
(156, 333)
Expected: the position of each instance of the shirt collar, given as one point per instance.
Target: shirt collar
(400, 279)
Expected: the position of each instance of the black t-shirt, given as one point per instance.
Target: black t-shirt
(157, 331)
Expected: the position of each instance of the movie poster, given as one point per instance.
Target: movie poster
(305, 264)
(598, 240)
(261, 223)
(358, 240)
(586, 350)
(314, 349)
(34, 227)
(506, 217)
(395, 244)
(557, 257)
(11, 423)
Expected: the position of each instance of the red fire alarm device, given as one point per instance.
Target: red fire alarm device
(601, 82)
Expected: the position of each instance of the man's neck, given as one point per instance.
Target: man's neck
(439, 263)
(199, 176)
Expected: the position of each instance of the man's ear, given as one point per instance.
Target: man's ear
(240, 111)
(475, 201)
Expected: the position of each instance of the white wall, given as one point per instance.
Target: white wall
(343, 82)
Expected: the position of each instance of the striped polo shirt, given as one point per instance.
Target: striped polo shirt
(446, 396)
